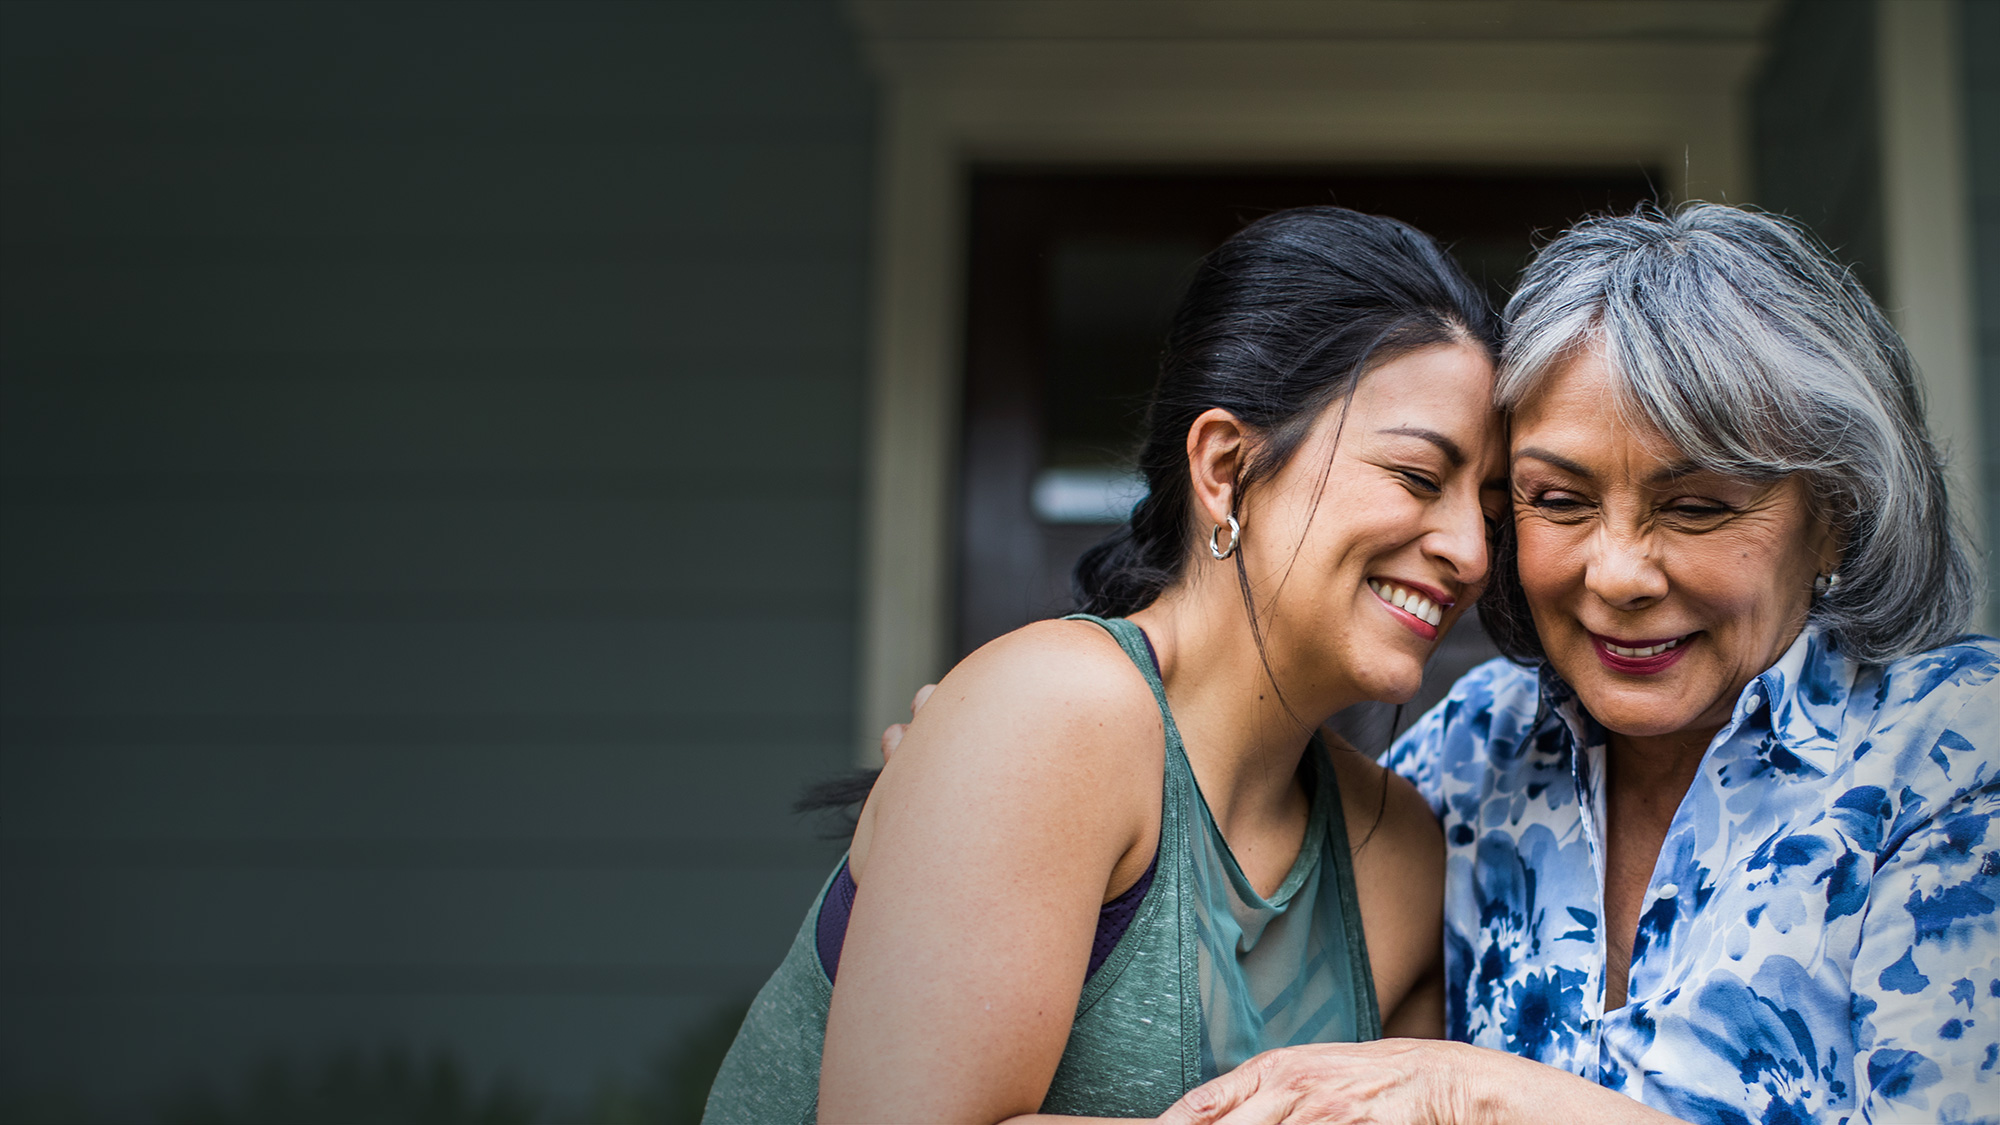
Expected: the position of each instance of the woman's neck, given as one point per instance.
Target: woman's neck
(1658, 769)
(1242, 739)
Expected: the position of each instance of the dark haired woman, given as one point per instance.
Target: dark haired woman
(1111, 860)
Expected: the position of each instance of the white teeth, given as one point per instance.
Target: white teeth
(1650, 650)
(1415, 604)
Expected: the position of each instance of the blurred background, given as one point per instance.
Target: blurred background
(464, 467)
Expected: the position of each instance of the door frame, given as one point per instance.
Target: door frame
(955, 94)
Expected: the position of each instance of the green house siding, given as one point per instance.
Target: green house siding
(430, 445)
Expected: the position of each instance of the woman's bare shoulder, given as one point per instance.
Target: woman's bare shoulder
(1049, 723)
(1050, 677)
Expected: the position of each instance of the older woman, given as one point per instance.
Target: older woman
(1724, 842)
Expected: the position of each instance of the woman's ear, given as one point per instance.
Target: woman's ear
(1216, 445)
(1824, 540)
(1829, 546)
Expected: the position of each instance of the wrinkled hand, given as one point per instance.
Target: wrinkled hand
(893, 736)
(1387, 1082)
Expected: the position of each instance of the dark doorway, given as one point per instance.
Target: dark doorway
(1073, 277)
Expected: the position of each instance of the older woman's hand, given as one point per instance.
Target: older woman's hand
(1401, 1081)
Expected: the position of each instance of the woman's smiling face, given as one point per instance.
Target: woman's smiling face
(1364, 551)
(1659, 589)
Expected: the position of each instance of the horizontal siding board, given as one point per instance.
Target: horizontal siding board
(24, 489)
(336, 197)
(536, 61)
(160, 1043)
(399, 920)
(111, 857)
(669, 608)
(438, 804)
(501, 557)
(667, 426)
(237, 729)
(505, 668)
(508, 983)
(425, 303)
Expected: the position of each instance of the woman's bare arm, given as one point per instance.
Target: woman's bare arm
(1028, 786)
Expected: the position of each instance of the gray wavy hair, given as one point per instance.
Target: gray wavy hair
(1736, 336)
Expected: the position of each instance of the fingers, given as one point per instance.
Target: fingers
(892, 738)
(1207, 1103)
(1267, 1107)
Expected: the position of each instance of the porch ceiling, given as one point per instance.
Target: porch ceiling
(1428, 20)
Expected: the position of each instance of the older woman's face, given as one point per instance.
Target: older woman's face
(1659, 589)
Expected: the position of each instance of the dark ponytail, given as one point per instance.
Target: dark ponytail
(1279, 322)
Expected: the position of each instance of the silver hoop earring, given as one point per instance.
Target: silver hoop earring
(1235, 533)
(1825, 584)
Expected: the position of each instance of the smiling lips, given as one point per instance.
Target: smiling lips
(1420, 609)
(1639, 658)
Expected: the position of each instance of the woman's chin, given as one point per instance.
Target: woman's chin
(1638, 713)
(1398, 687)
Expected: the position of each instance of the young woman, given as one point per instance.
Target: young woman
(1111, 858)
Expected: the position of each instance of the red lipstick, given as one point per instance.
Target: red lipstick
(1640, 665)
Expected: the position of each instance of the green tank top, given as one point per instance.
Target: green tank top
(1207, 974)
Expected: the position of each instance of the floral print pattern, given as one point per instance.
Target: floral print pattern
(1820, 940)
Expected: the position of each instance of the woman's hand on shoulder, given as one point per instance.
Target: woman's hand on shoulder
(1023, 786)
(892, 735)
(1399, 878)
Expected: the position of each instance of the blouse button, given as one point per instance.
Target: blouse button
(1669, 890)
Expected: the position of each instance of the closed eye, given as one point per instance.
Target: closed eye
(1419, 481)
(1699, 510)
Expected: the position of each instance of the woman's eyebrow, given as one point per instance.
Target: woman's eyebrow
(1668, 474)
(1559, 461)
(1452, 452)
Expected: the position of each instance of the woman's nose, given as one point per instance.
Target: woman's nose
(1621, 569)
(1461, 543)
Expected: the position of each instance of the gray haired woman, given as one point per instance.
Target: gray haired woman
(1724, 835)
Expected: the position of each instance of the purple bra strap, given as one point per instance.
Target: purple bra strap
(1113, 919)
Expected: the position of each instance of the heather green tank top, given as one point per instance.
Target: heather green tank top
(1207, 974)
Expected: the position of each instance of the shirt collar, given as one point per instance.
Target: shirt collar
(1805, 693)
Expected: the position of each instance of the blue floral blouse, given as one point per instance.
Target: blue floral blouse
(1819, 941)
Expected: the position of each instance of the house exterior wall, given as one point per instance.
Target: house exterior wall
(1916, 213)
(1980, 28)
(1817, 138)
(429, 467)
